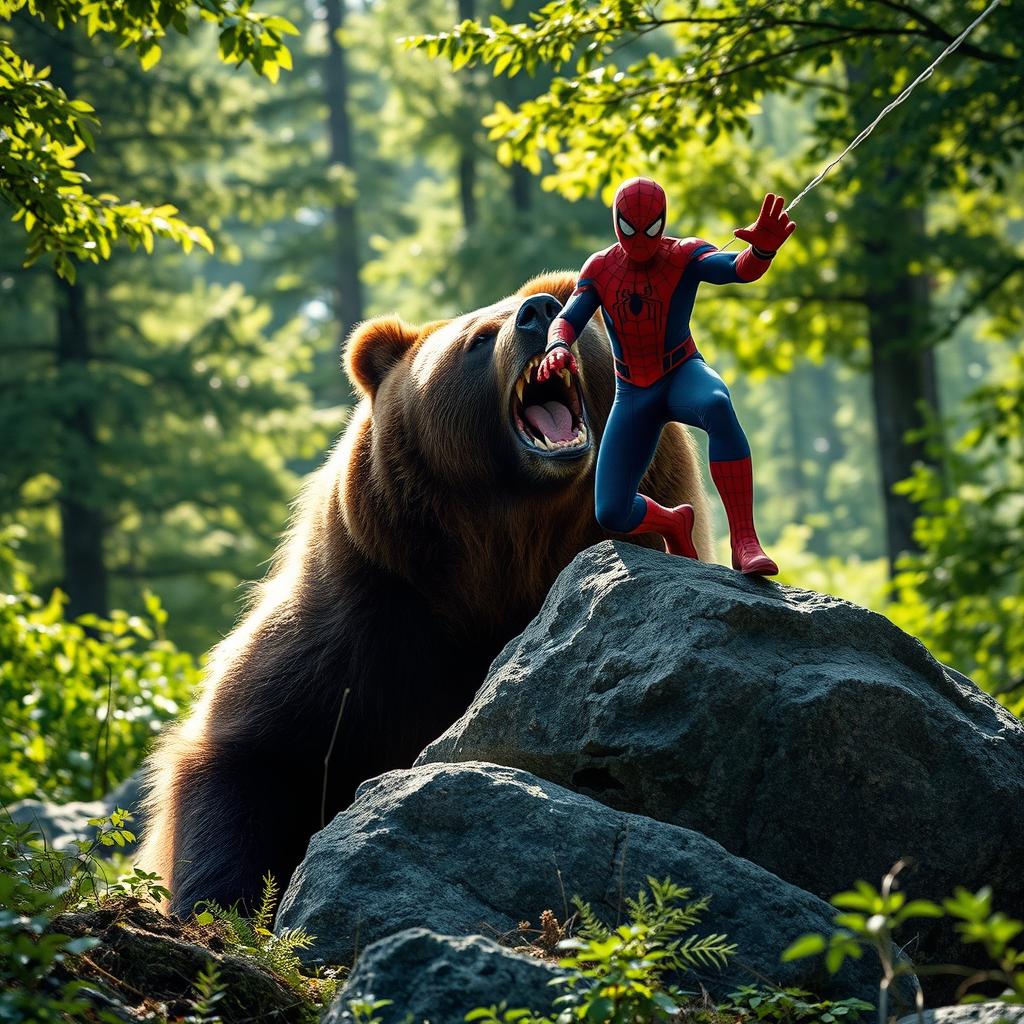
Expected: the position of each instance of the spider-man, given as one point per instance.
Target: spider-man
(645, 285)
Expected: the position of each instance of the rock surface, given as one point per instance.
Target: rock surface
(61, 824)
(473, 848)
(440, 978)
(802, 732)
(974, 1013)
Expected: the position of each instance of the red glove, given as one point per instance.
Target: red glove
(554, 361)
(771, 228)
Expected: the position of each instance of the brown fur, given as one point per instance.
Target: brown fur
(427, 540)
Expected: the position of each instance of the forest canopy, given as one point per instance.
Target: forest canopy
(46, 127)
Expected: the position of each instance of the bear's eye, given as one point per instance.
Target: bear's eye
(483, 338)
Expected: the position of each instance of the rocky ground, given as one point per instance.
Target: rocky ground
(146, 965)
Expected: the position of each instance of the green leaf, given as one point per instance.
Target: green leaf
(807, 945)
(279, 24)
(920, 908)
(149, 56)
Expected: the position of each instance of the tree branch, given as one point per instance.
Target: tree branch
(974, 303)
(936, 31)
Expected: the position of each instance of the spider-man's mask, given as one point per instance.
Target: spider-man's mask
(638, 214)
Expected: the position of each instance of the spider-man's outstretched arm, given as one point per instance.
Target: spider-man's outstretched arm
(765, 236)
(566, 328)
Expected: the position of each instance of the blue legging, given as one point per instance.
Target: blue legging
(693, 394)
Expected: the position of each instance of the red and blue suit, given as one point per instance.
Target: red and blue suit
(645, 286)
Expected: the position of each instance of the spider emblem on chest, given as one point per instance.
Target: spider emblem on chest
(637, 306)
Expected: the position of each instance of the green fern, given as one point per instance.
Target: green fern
(210, 990)
(663, 913)
(253, 936)
(621, 973)
(590, 925)
(702, 951)
(264, 916)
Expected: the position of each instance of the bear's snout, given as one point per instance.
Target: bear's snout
(536, 313)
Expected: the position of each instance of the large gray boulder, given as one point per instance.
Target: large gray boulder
(440, 978)
(800, 731)
(476, 848)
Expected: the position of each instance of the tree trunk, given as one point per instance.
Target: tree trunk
(513, 91)
(888, 216)
(522, 196)
(467, 189)
(346, 241)
(902, 373)
(81, 519)
(82, 522)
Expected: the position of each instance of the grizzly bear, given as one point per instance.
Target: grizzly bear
(458, 491)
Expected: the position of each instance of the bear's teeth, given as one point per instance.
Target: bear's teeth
(520, 386)
(567, 377)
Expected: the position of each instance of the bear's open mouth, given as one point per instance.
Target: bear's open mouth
(548, 415)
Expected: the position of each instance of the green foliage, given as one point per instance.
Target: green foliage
(617, 975)
(869, 918)
(253, 937)
(81, 879)
(28, 953)
(598, 115)
(660, 919)
(140, 885)
(364, 1011)
(36, 884)
(200, 414)
(44, 130)
(210, 990)
(790, 1006)
(963, 594)
(79, 701)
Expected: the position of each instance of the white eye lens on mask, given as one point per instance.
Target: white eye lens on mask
(654, 228)
(625, 227)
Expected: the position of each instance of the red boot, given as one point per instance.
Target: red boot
(735, 483)
(674, 524)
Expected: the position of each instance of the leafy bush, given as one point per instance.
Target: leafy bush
(870, 917)
(41, 980)
(963, 593)
(79, 701)
(790, 1006)
(37, 884)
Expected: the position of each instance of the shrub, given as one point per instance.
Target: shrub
(79, 701)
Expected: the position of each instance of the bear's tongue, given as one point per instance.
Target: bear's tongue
(552, 419)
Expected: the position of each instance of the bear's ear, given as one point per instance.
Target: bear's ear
(559, 283)
(374, 347)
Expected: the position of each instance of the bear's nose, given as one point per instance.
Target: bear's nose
(537, 312)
